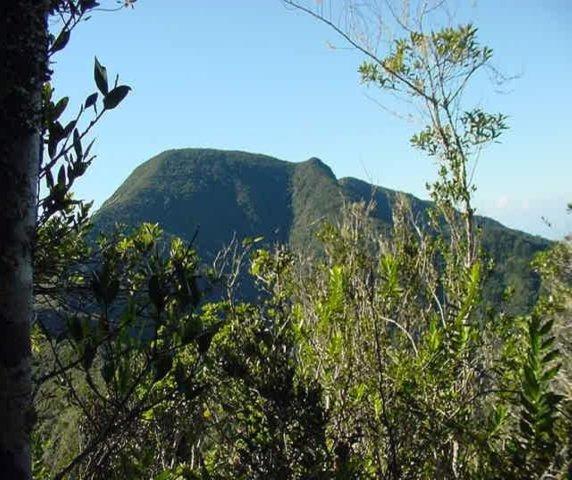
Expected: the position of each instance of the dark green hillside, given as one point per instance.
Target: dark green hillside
(358, 190)
(217, 192)
(315, 195)
(512, 252)
(221, 193)
(510, 249)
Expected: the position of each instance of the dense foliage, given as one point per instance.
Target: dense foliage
(212, 195)
(373, 362)
(387, 353)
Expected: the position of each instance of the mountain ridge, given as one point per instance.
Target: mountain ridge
(311, 160)
(220, 193)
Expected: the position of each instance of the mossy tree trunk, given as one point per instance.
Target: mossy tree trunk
(23, 63)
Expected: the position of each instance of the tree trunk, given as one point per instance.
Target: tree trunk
(23, 63)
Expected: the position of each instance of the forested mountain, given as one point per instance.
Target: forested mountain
(215, 194)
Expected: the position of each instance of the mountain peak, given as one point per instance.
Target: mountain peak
(221, 193)
(316, 164)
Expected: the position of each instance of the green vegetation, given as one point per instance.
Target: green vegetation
(373, 361)
(389, 337)
(215, 194)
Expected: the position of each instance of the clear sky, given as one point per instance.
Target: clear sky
(252, 75)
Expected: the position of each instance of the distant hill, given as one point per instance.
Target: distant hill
(222, 193)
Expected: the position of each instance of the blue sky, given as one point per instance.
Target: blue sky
(252, 75)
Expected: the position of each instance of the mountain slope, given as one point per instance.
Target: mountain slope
(216, 193)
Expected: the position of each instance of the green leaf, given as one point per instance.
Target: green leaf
(545, 329)
(551, 373)
(165, 475)
(68, 129)
(553, 354)
(531, 387)
(105, 286)
(91, 101)
(62, 176)
(71, 173)
(49, 179)
(57, 132)
(59, 108)
(88, 149)
(52, 146)
(77, 144)
(115, 97)
(61, 41)
(547, 343)
(100, 75)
